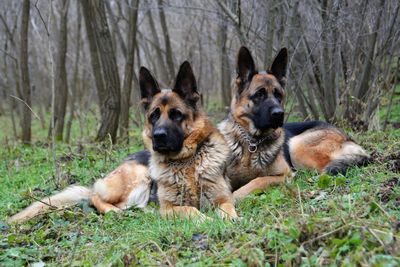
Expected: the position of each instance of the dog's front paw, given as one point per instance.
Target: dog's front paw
(113, 209)
(201, 218)
(227, 211)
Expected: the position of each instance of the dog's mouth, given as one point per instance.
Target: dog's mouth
(166, 149)
(277, 124)
(266, 130)
(265, 126)
(161, 149)
(167, 140)
(259, 126)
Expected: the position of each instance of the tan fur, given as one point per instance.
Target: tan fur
(185, 212)
(279, 166)
(241, 106)
(323, 149)
(259, 183)
(192, 178)
(315, 149)
(183, 188)
(226, 209)
(123, 188)
(70, 196)
(247, 171)
(115, 191)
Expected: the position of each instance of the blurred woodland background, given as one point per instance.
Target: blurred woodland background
(64, 60)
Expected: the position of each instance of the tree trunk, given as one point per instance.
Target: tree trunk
(316, 75)
(24, 74)
(74, 88)
(129, 72)
(94, 54)
(116, 29)
(61, 82)
(327, 62)
(168, 49)
(366, 73)
(106, 73)
(162, 67)
(395, 81)
(224, 61)
(7, 91)
(269, 35)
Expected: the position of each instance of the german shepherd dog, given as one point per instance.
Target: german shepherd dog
(185, 158)
(264, 149)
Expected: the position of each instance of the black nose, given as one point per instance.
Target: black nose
(160, 134)
(277, 112)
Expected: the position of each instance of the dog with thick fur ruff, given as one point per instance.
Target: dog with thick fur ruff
(264, 150)
(188, 153)
(185, 160)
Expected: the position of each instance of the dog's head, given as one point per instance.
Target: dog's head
(258, 98)
(169, 114)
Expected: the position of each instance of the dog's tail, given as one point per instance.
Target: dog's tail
(66, 198)
(350, 155)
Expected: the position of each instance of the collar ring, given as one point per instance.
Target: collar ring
(252, 147)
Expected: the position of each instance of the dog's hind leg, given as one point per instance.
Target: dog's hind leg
(126, 186)
(350, 154)
(326, 150)
(102, 206)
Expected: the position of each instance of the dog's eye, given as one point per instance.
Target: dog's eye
(154, 116)
(175, 115)
(259, 95)
(277, 95)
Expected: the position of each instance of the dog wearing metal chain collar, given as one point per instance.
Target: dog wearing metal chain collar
(264, 150)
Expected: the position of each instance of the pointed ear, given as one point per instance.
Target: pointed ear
(245, 68)
(148, 87)
(185, 85)
(279, 66)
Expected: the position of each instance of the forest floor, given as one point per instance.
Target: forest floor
(314, 220)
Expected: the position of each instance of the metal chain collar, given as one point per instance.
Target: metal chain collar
(252, 145)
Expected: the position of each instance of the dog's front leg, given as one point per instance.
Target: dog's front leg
(259, 183)
(227, 211)
(226, 208)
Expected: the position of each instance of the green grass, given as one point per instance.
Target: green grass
(313, 220)
(80, 131)
(394, 115)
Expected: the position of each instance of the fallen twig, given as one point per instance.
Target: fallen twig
(327, 234)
